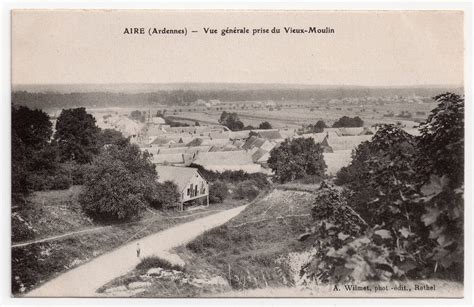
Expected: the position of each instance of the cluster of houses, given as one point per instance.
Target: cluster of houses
(216, 148)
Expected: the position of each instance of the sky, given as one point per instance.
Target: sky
(378, 48)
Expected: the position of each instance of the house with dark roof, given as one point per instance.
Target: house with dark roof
(257, 142)
(191, 184)
(269, 134)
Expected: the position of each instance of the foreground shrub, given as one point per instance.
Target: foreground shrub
(77, 171)
(410, 191)
(156, 262)
(349, 249)
(246, 190)
(59, 179)
(166, 195)
(218, 192)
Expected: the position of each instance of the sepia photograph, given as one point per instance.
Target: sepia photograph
(237, 153)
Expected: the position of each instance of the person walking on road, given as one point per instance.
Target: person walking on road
(138, 250)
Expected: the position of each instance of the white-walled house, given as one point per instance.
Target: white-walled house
(191, 184)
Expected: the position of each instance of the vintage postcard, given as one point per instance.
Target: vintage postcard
(245, 153)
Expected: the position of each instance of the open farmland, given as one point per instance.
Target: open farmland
(292, 115)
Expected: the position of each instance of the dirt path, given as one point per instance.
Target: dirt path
(56, 237)
(84, 280)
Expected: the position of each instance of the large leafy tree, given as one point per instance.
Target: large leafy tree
(265, 125)
(440, 167)
(231, 121)
(32, 152)
(413, 188)
(111, 136)
(381, 170)
(32, 127)
(346, 121)
(77, 136)
(297, 158)
(442, 140)
(121, 182)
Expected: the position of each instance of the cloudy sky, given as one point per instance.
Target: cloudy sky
(367, 48)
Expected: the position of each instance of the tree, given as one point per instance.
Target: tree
(110, 136)
(231, 121)
(319, 126)
(413, 187)
(440, 167)
(297, 159)
(380, 170)
(218, 192)
(77, 136)
(136, 115)
(442, 140)
(32, 127)
(167, 195)
(34, 158)
(265, 125)
(348, 122)
(121, 182)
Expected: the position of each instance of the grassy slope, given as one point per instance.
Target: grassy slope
(50, 213)
(243, 251)
(246, 252)
(60, 213)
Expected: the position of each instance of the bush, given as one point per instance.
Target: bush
(121, 183)
(156, 262)
(21, 229)
(218, 192)
(413, 187)
(246, 190)
(346, 121)
(166, 195)
(296, 159)
(60, 179)
(77, 171)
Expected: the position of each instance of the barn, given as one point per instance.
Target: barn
(191, 184)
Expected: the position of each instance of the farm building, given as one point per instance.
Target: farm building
(336, 160)
(169, 159)
(191, 184)
(261, 157)
(227, 160)
(240, 135)
(160, 141)
(269, 134)
(158, 121)
(355, 131)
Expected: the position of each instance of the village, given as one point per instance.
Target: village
(217, 148)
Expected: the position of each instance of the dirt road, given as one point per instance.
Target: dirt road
(84, 280)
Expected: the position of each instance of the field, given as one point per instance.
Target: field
(286, 113)
(38, 254)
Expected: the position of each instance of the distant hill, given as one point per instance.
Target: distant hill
(154, 87)
(141, 95)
